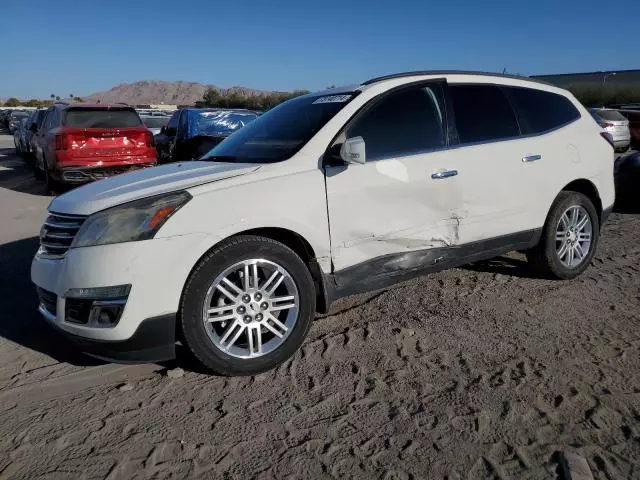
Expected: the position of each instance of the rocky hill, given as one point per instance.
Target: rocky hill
(155, 91)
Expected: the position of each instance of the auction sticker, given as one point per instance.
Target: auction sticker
(333, 99)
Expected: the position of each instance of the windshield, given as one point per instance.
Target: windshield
(218, 122)
(281, 132)
(612, 115)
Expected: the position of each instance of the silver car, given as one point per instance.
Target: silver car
(155, 122)
(614, 123)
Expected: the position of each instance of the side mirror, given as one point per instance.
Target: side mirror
(354, 151)
(163, 130)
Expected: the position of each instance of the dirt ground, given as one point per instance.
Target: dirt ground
(476, 373)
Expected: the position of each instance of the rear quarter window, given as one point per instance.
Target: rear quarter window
(540, 111)
(101, 118)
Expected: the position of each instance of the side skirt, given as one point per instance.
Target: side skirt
(387, 270)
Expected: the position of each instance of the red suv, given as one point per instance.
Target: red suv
(79, 143)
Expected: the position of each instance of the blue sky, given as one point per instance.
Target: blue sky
(80, 47)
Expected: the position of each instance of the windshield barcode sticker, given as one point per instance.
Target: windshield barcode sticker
(333, 99)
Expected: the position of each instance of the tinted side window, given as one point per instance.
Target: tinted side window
(173, 121)
(483, 113)
(540, 111)
(402, 123)
(48, 120)
(182, 124)
(55, 120)
(42, 114)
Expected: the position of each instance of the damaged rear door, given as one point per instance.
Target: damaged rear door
(402, 203)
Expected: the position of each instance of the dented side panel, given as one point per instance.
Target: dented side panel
(392, 206)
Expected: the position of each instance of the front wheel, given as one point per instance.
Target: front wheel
(247, 306)
(569, 238)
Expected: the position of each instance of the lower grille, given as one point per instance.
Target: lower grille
(48, 300)
(58, 232)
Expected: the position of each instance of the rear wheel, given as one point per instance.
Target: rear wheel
(569, 238)
(248, 306)
(37, 171)
(51, 186)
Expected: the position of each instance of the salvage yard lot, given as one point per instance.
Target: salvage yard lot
(478, 372)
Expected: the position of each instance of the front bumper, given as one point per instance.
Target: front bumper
(153, 341)
(156, 270)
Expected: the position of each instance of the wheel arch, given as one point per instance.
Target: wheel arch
(296, 242)
(587, 188)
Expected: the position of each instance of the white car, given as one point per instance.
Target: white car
(614, 123)
(326, 195)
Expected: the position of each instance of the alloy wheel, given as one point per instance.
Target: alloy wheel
(251, 308)
(573, 236)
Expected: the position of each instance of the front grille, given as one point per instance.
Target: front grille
(58, 232)
(48, 300)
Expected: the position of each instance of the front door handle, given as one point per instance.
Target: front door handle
(531, 158)
(444, 174)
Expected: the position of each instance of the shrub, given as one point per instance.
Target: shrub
(234, 99)
(603, 95)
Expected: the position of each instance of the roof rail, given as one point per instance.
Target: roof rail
(452, 72)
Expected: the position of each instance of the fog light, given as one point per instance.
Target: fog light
(104, 315)
(99, 293)
(99, 307)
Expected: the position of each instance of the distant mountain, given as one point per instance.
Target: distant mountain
(156, 91)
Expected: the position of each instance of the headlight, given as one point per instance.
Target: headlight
(130, 222)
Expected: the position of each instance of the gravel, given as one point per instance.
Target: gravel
(474, 373)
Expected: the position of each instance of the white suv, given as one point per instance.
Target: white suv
(326, 195)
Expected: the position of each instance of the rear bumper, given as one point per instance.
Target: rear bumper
(85, 174)
(622, 142)
(153, 341)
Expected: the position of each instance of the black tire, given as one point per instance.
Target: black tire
(51, 186)
(37, 173)
(215, 262)
(543, 258)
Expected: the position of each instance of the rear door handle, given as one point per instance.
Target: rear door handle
(444, 174)
(531, 158)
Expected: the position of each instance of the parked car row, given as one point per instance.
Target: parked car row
(72, 144)
(10, 119)
(23, 136)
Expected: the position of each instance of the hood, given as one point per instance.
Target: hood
(119, 189)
